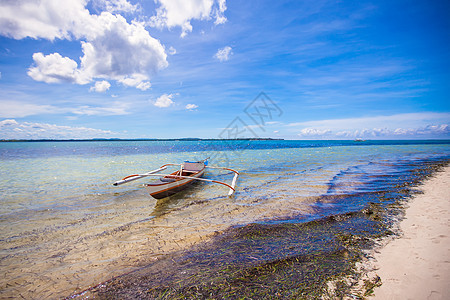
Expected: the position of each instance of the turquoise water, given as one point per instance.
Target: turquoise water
(64, 227)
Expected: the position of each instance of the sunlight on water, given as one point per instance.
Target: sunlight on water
(64, 227)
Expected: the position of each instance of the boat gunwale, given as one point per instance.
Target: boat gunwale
(179, 181)
(174, 174)
(165, 187)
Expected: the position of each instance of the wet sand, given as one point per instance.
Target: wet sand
(417, 265)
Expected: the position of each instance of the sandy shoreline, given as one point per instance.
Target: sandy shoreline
(417, 265)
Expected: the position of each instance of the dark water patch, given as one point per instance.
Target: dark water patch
(379, 182)
(374, 176)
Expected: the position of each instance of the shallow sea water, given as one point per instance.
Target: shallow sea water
(64, 227)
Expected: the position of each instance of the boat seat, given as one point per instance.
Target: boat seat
(164, 179)
(192, 167)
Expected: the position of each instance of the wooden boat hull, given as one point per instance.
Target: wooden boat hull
(169, 184)
(163, 189)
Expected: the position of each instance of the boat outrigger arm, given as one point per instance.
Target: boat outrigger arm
(155, 173)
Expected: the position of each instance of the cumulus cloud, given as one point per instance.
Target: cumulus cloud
(191, 106)
(123, 52)
(313, 132)
(101, 86)
(224, 53)
(55, 68)
(11, 129)
(219, 13)
(443, 128)
(429, 131)
(112, 48)
(48, 19)
(136, 81)
(408, 125)
(116, 6)
(165, 100)
(8, 122)
(172, 13)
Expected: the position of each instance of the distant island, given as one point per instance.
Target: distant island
(131, 140)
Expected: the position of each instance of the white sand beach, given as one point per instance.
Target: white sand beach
(417, 265)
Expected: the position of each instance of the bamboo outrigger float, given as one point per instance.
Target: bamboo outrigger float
(169, 184)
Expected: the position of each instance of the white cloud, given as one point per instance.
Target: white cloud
(48, 19)
(412, 125)
(172, 51)
(115, 6)
(180, 13)
(442, 129)
(136, 81)
(113, 109)
(8, 122)
(313, 132)
(17, 109)
(123, 52)
(191, 106)
(429, 131)
(224, 53)
(55, 68)
(11, 129)
(165, 100)
(219, 13)
(390, 121)
(101, 86)
(143, 86)
(112, 48)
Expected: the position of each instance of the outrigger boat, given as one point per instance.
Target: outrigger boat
(169, 184)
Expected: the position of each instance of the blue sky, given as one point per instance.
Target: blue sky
(215, 68)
